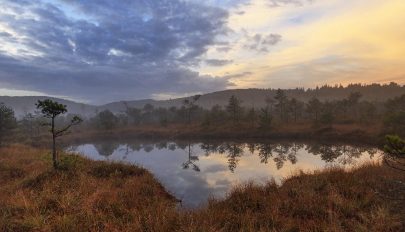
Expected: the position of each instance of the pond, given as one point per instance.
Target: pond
(193, 172)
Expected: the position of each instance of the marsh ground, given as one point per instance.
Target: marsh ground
(98, 196)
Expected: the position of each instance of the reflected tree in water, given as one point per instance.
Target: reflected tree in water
(234, 152)
(191, 160)
(251, 147)
(206, 148)
(106, 149)
(172, 146)
(126, 149)
(342, 154)
(148, 147)
(142, 145)
(210, 148)
(292, 155)
(182, 144)
(348, 154)
(161, 145)
(282, 154)
(135, 146)
(265, 152)
(327, 152)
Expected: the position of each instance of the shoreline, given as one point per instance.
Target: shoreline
(324, 135)
(96, 195)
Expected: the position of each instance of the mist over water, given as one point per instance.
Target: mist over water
(194, 172)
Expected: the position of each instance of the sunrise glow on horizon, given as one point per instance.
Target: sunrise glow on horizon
(176, 48)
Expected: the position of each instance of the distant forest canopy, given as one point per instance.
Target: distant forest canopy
(249, 97)
(278, 109)
(256, 97)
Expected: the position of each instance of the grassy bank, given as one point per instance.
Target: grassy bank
(96, 196)
(84, 195)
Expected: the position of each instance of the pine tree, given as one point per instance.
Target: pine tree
(314, 108)
(281, 102)
(7, 120)
(265, 118)
(52, 109)
(234, 109)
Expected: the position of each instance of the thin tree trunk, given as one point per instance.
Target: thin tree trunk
(54, 158)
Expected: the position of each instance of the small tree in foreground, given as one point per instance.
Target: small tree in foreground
(51, 109)
(395, 152)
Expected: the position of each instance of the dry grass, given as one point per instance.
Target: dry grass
(84, 195)
(331, 200)
(96, 196)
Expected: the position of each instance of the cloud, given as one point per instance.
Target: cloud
(5, 34)
(239, 75)
(314, 49)
(106, 51)
(223, 49)
(262, 43)
(279, 3)
(216, 62)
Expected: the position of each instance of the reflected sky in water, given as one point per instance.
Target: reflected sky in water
(194, 172)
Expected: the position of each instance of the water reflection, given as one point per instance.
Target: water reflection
(191, 160)
(106, 149)
(195, 171)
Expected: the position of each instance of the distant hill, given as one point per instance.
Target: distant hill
(249, 97)
(24, 105)
(256, 97)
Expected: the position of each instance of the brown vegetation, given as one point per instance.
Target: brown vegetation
(365, 134)
(97, 196)
(84, 195)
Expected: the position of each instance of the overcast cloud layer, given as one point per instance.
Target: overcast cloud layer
(102, 51)
(106, 50)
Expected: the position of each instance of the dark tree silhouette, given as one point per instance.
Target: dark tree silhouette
(190, 106)
(234, 109)
(134, 114)
(265, 118)
(235, 151)
(191, 160)
(252, 117)
(265, 152)
(395, 122)
(7, 120)
(106, 149)
(314, 108)
(353, 102)
(296, 108)
(281, 103)
(106, 120)
(52, 109)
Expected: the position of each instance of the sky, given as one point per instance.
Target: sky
(98, 51)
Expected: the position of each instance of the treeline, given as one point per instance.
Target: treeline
(277, 111)
(254, 97)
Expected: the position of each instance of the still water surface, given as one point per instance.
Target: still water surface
(193, 172)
